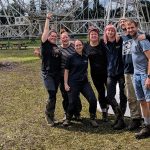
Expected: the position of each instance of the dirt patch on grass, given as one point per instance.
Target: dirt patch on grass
(8, 66)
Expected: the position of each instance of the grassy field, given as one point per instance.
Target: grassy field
(22, 120)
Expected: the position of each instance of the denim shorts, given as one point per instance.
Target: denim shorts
(142, 93)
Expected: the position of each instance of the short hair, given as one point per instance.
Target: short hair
(51, 31)
(130, 21)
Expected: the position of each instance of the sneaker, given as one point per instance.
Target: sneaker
(104, 116)
(134, 124)
(66, 123)
(49, 120)
(144, 133)
(94, 123)
(120, 125)
(64, 118)
(55, 121)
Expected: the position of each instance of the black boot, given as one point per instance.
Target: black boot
(134, 124)
(105, 116)
(144, 133)
(119, 123)
(93, 121)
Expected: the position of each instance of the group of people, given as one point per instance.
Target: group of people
(122, 59)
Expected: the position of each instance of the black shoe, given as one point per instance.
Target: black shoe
(94, 123)
(77, 118)
(114, 123)
(144, 133)
(120, 125)
(105, 116)
(134, 124)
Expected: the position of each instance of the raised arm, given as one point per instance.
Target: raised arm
(46, 28)
(147, 82)
(67, 88)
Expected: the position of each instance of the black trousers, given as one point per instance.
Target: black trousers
(111, 92)
(51, 83)
(87, 91)
(100, 81)
(65, 101)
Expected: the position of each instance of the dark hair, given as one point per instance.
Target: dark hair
(52, 30)
(79, 40)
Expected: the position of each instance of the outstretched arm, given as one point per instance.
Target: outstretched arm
(46, 28)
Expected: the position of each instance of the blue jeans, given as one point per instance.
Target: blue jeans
(142, 93)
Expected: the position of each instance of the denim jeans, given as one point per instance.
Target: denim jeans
(51, 83)
(142, 93)
(111, 92)
(87, 91)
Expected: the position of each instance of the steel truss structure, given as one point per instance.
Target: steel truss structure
(74, 15)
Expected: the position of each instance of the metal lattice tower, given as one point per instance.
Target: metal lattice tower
(25, 18)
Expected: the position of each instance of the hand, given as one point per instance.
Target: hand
(67, 87)
(117, 38)
(147, 83)
(49, 15)
(141, 37)
(37, 52)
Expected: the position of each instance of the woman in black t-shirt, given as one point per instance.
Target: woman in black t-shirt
(51, 60)
(98, 65)
(76, 82)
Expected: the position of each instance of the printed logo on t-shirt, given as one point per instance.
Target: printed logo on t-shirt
(126, 49)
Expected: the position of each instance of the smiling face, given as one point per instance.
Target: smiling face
(64, 38)
(52, 37)
(78, 46)
(110, 32)
(93, 36)
(132, 29)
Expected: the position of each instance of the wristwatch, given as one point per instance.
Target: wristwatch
(148, 76)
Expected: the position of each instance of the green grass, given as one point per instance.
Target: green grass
(22, 120)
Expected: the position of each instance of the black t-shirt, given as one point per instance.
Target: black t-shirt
(51, 58)
(97, 58)
(77, 66)
(115, 65)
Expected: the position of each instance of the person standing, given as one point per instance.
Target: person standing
(76, 82)
(98, 67)
(51, 60)
(134, 105)
(141, 78)
(67, 49)
(115, 73)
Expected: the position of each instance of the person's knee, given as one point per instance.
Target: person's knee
(52, 94)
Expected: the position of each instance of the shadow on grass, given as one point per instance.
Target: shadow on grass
(85, 126)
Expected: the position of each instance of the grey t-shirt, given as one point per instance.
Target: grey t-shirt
(140, 61)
